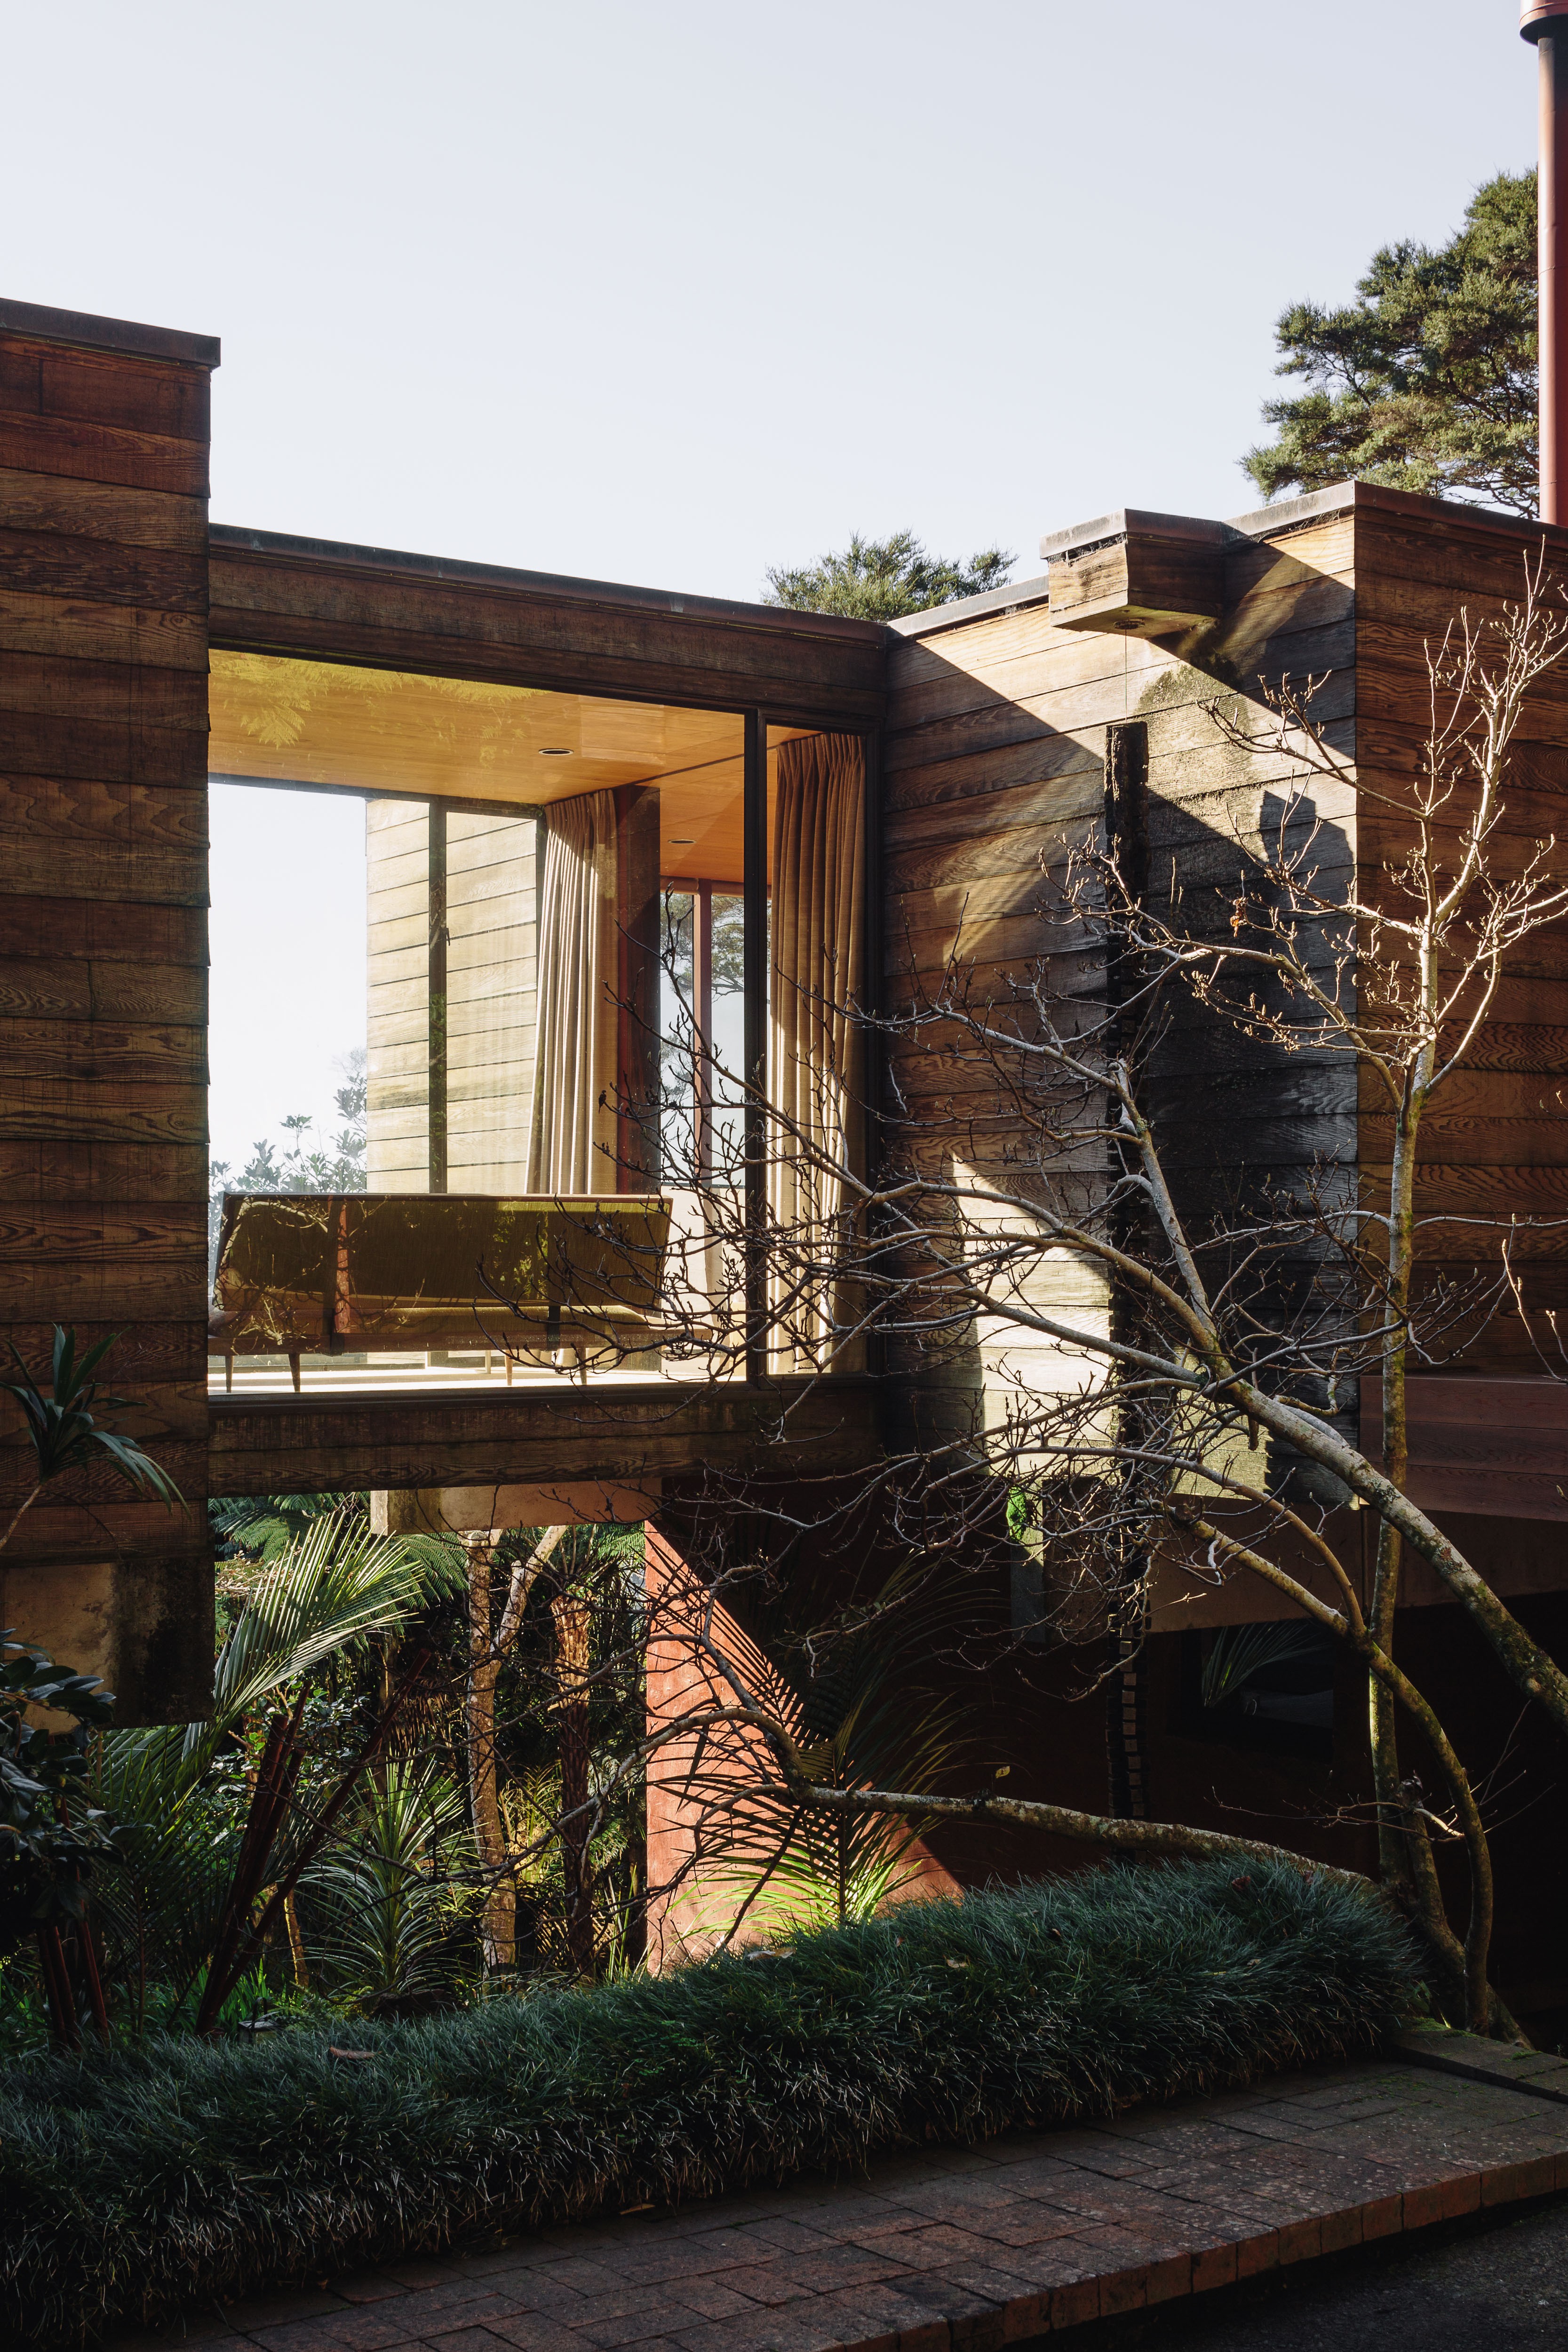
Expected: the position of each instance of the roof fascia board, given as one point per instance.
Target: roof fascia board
(555, 587)
(87, 332)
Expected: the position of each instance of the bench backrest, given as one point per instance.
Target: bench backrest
(306, 1270)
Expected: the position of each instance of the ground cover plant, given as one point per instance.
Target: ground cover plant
(141, 2180)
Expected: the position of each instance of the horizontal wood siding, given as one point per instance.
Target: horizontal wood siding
(996, 763)
(1494, 1143)
(491, 979)
(103, 583)
(397, 999)
(490, 880)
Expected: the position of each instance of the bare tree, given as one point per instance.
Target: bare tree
(1197, 1411)
(1169, 1366)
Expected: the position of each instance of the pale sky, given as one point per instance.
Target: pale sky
(667, 293)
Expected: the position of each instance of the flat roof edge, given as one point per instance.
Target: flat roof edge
(82, 328)
(1283, 515)
(229, 538)
(992, 602)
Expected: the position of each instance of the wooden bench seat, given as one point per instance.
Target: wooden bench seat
(333, 1274)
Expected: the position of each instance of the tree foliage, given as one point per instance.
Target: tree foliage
(882, 579)
(1427, 381)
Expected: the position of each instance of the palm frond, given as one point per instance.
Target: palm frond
(335, 1585)
(62, 1425)
(1240, 1652)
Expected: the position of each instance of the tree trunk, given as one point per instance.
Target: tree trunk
(499, 1924)
(296, 1945)
(573, 1622)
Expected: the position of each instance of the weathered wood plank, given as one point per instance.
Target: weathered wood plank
(113, 1052)
(102, 930)
(86, 749)
(84, 451)
(115, 694)
(328, 1444)
(82, 1112)
(102, 979)
(1457, 555)
(35, 863)
(61, 1169)
(51, 380)
(969, 671)
(131, 518)
(66, 809)
(77, 628)
(61, 988)
(1478, 1142)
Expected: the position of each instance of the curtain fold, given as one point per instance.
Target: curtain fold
(815, 1049)
(576, 1005)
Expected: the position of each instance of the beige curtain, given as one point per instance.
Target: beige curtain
(815, 1048)
(574, 1036)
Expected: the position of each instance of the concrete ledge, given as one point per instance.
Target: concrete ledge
(1539, 2074)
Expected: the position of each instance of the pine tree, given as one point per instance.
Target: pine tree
(1428, 381)
(881, 580)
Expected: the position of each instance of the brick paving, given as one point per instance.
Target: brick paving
(966, 2250)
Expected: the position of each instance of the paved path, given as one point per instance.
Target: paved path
(962, 2251)
(1499, 2288)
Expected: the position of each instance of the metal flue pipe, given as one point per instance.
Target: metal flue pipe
(1545, 21)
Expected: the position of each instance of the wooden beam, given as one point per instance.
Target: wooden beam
(315, 1444)
(310, 598)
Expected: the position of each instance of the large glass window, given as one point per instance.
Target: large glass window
(520, 862)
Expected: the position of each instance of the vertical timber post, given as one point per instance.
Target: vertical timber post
(871, 986)
(435, 1001)
(1127, 840)
(755, 1041)
(702, 1021)
(1545, 21)
(637, 930)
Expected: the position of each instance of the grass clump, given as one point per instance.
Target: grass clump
(140, 2180)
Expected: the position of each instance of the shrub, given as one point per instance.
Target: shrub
(136, 2181)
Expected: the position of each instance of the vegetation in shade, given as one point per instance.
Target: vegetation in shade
(184, 2173)
(136, 1856)
(63, 1429)
(860, 1716)
(882, 579)
(1427, 381)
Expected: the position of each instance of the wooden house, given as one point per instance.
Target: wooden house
(483, 716)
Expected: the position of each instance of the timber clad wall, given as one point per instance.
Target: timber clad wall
(103, 722)
(997, 723)
(996, 758)
(1495, 1143)
(493, 863)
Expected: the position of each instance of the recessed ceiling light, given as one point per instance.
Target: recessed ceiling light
(556, 750)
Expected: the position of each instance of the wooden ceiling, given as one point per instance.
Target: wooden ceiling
(278, 721)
